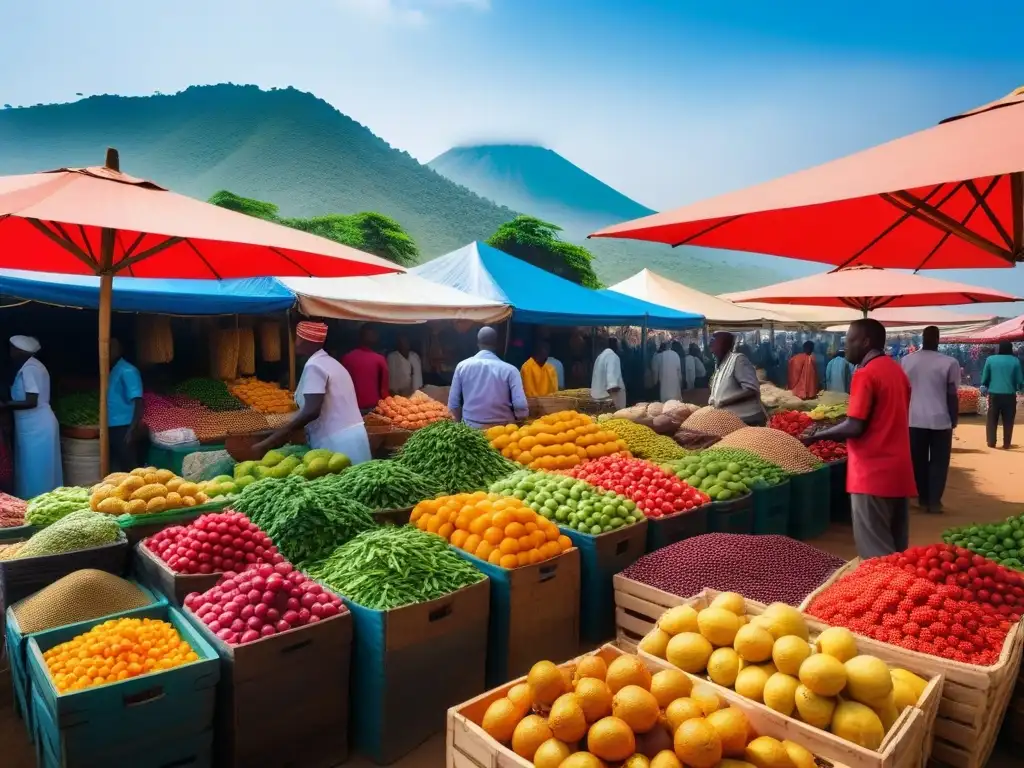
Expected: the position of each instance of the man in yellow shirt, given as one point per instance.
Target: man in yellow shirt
(539, 376)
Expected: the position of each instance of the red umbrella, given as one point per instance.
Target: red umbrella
(868, 288)
(99, 221)
(1008, 330)
(951, 196)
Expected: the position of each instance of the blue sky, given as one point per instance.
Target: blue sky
(668, 101)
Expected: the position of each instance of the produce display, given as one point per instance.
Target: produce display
(8, 551)
(691, 440)
(664, 418)
(83, 529)
(261, 601)
(12, 511)
(263, 396)
(412, 412)
(555, 441)
(967, 398)
(394, 566)
(116, 650)
(793, 423)
(768, 658)
(499, 529)
(160, 413)
(774, 397)
(213, 426)
(743, 467)
(48, 508)
(655, 492)
(569, 502)
(1002, 543)
(210, 393)
(714, 421)
(773, 446)
(282, 463)
(829, 412)
(145, 490)
(306, 521)
(768, 569)
(455, 456)
(79, 596)
(381, 484)
(897, 605)
(215, 543)
(643, 442)
(828, 450)
(596, 713)
(78, 409)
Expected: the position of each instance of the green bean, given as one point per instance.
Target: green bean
(456, 456)
(382, 485)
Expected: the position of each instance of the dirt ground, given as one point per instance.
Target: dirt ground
(984, 485)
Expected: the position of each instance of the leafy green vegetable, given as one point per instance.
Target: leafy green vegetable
(78, 409)
(212, 393)
(48, 508)
(382, 484)
(457, 457)
(79, 530)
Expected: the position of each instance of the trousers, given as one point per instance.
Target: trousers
(930, 450)
(1000, 407)
(881, 526)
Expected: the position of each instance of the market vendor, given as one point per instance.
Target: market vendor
(487, 391)
(405, 371)
(327, 402)
(539, 376)
(734, 384)
(607, 381)
(124, 411)
(37, 467)
(368, 369)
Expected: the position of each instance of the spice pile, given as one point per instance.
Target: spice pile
(12, 511)
(555, 441)
(764, 568)
(79, 596)
(455, 456)
(655, 492)
(225, 541)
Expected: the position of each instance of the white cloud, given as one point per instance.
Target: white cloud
(408, 12)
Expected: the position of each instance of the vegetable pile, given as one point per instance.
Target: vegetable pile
(655, 492)
(499, 529)
(967, 398)
(48, 508)
(1001, 543)
(225, 541)
(209, 393)
(764, 568)
(720, 467)
(412, 412)
(79, 596)
(455, 456)
(555, 441)
(828, 450)
(263, 396)
(643, 442)
(381, 484)
(306, 521)
(116, 650)
(146, 490)
(714, 421)
(793, 423)
(830, 411)
(569, 502)
(261, 601)
(78, 409)
(773, 446)
(83, 529)
(281, 463)
(394, 566)
(673, 411)
(12, 511)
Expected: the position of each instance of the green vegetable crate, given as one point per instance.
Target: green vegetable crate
(810, 504)
(410, 664)
(17, 645)
(134, 722)
(662, 531)
(840, 506)
(154, 572)
(307, 670)
(733, 516)
(771, 509)
(535, 613)
(601, 557)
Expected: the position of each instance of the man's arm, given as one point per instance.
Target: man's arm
(455, 395)
(986, 374)
(520, 407)
(952, 401)
(842, 431)
(133, 389)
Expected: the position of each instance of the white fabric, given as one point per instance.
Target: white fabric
(340, 426)
(393, 298)
(690, 370)
(608, 375)
(37, 463)
(669, 373)
(28, 344)
(931, 375)
(720, 381)
(405, 374)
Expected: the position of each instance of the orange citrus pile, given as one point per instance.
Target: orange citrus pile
(263, 396)
(499, 529)
(556, 441)
(116, 650)
(412, 412)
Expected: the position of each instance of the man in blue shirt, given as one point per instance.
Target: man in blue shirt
(124, 411)
(838, 373)
(486, 390)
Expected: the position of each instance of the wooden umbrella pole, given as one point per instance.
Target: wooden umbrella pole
(106, 300)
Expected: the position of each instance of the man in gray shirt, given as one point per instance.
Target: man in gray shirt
(934, 379)
(734, 385)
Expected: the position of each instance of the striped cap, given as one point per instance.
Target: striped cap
(310, 331)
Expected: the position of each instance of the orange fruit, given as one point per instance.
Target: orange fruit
(500, 720)
(564, 543)
(494, 535)
(509, 561)
(529, 734)
(509, 546)
(483, 549)
(515, 530)
(472, 542)
(458, 538)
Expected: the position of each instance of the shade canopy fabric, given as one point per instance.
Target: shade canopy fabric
(866, 289)
(908, 318)
(538, 296)
(1009, 330)
(399, 298)
(255, 296)
(950, 196)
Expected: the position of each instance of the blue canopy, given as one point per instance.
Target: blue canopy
(541, 297)
(252, 296)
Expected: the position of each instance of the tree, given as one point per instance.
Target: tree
(537, 242)
(246, 205)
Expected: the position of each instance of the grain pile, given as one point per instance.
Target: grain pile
(773, 446)
(714, 421)
(79, 596)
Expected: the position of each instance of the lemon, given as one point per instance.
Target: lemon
(789, 652)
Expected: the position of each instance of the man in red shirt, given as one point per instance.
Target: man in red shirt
(880, 474)
(368, 369)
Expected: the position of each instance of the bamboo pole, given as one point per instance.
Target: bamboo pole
(107, 239)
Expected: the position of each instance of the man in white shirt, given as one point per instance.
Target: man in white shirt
(934, 379)
(405, 371)
(668, 374)
(607, 379)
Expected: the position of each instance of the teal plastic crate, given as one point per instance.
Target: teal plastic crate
(771, 509)
(662, 531)
(153, 709)
(840, 506)
(810, 503)
(601, 557)
(733, 516)
(17, 645)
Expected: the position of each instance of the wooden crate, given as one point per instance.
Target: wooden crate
(153, 572)
(469, 746)
(836, 576)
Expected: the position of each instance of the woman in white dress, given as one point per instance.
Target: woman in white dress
(37, 467)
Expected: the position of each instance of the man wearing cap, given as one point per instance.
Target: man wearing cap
(327, 402)
(485, 389)
(37, 467)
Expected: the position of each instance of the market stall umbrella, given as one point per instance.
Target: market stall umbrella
(866, 289)
(947, 197)
(1008, 330)
(99, 221)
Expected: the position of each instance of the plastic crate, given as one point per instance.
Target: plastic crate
(839, 510)
(662, 531)
(810, 503)
(771, 509)
(140, 715)
(733, 516)
(17, 533)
